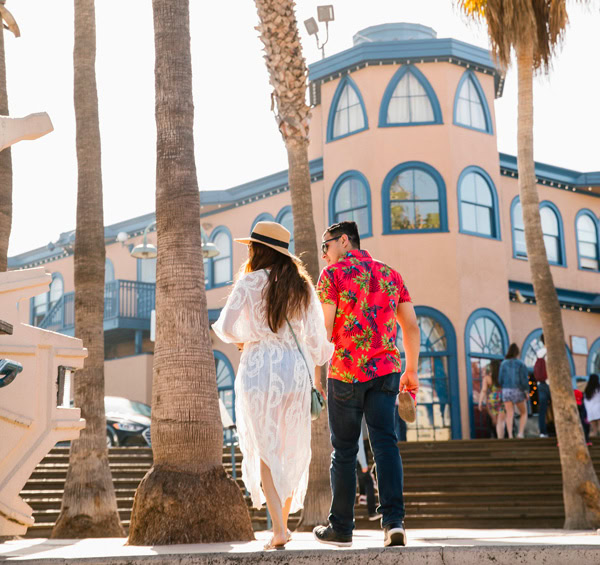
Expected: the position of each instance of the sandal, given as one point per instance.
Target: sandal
(270, 545)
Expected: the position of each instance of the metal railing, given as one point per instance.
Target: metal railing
(122, 299)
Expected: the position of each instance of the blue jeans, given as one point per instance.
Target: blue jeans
(543, 399)
(347, 402)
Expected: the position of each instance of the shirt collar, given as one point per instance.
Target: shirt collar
(357, 254)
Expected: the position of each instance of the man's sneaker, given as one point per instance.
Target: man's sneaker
(374, 516)
(394, 534)
(326, 534)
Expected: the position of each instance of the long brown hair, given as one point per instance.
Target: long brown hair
(287, 292)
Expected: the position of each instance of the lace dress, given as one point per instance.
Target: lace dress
(272, 387)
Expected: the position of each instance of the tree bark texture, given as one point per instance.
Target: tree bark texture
(89, 505)
(186, 497)
(581, 493)
(5, 168)
(288, 77)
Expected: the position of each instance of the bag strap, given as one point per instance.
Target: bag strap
(300, 350)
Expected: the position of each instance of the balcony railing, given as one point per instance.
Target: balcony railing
(127, 304)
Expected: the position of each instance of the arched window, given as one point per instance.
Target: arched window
(414, 199)
(594, 358)
(486, 341)
(350, 199)
(225, 386)
(530, 349)
(221, 267)
(286, 219)
(588, 251)
(43, 303)
(470, 106)
(264, 217)
(347, 114)
(552, 229)
(438, 410)
(478, 201)
(409, 100)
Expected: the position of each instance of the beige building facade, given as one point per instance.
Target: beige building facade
(403, 140)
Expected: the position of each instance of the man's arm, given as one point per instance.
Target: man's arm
(411, 339)
(329, 311)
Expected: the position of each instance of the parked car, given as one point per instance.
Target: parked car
(127, 422)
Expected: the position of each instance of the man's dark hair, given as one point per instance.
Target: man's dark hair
(345, 228)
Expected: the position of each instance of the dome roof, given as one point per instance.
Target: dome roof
(394, 32)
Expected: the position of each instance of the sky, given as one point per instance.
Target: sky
(236, 138)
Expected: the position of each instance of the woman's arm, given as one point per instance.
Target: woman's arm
(483, 392)
(315, 333)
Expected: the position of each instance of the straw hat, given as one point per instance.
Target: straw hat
(272, 235)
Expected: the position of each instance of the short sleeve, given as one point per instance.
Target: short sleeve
(326, 287)
(403, 294)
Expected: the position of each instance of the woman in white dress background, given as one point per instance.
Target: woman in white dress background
(591, 401)
(272, 386)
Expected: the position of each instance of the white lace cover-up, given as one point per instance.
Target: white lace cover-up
(272, 387)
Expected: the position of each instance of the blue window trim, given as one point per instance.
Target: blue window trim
(283, 212)
(112, 266)
(495, 212)
(213, 235)
(347, 80)
(385, 197)
(451, 349)
(222, 357)
(592, 216)
(55, 275)
(470, 75)
(561, 232)
(536, 334)
(389, 91)
(352, 174)
(593, 348)
(475, 315)
(264, 217)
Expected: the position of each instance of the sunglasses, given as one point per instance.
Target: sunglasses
(325, 244)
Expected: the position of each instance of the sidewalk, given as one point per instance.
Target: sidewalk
(431, 547)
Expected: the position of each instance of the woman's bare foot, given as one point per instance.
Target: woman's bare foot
(276, 542)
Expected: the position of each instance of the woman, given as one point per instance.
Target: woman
(272, 296)
(491, 389)
(591, 402)
(514, 381)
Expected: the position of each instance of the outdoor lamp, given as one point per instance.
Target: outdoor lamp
(146, 250)
(325, 15)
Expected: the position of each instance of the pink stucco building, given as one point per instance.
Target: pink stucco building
(403, 140)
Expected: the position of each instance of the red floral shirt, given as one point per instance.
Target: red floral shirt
(366, 293)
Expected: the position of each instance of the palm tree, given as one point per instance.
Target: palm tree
(6, 155)
(89, 504)
(535, 29)
(186, 497)
(288, 76)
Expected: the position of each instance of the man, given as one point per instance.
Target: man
(541, 376)
(362, 300)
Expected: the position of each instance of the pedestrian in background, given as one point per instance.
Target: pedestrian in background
(543, 389)
(592, 404)
(491, 392)
(514, 381)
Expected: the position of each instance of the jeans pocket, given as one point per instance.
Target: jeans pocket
(340, 390)
(391, 384)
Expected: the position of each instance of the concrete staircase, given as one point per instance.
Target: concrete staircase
(454, 484)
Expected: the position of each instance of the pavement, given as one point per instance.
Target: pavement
(425, 547)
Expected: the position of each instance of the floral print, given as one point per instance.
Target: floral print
(366, 293)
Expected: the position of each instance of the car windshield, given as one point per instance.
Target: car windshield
(124, 406)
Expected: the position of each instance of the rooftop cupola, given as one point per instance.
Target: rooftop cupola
(394, 32)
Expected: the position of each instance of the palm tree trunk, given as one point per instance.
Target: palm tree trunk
(5, 168)
(581, 490)
(287, 74)
(89, 505)
(186, 497)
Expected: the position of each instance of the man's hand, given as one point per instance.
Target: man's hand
(240, 346)
(409, 381)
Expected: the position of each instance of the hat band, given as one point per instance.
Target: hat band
(270, 240)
